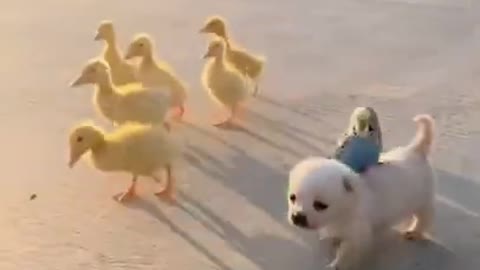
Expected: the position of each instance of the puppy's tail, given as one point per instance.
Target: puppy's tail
(423, 140)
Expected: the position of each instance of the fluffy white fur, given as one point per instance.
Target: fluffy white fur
(360, 205)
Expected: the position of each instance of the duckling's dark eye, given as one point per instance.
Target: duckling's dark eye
(140, 44)
(292, 198)
(319, 206)
(79, 139)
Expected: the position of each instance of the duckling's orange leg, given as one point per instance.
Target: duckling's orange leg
(167, 126)
(233, 115)
(181, 111)
(168, 193)
(131, 192)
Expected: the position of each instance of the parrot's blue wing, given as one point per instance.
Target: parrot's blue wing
(358, 153)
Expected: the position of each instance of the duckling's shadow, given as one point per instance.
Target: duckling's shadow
(266, 179)
(287, 107)
(262, 249)
(206, 133)
(231, 126)
(294, 134)
(154, 210)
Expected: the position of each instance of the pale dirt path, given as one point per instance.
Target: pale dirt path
(325, 57)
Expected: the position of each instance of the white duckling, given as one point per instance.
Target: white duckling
(142, 150)
(122, 71)
(122, 104)
(223, 82)
(152, 72)
(247, 63)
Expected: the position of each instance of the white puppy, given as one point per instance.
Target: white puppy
(325, 194)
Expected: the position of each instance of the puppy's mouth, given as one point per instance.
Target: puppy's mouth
(300, 220)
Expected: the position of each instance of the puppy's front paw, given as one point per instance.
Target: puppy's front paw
(336, 242)
(413, 236)
(333, 266)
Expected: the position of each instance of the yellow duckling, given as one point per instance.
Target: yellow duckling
(122, 71)
(141, 150)
(223, 82)
(152, 72)
(122, 104)
(245, 62)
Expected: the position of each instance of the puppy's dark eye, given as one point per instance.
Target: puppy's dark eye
(292, 198)
(79, 139)
(319, 206)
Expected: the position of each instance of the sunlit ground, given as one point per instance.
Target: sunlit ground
(323, 58)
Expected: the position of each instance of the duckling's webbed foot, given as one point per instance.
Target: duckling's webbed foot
(255, 91)
(178, 114)
(166, 196)
(131, 192)
(220, 120)
(167, 126)
(168, 193)
(225, 123)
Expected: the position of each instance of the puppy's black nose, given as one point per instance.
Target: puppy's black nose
(299, 219)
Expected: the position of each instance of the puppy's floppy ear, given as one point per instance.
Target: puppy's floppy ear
(347, 184)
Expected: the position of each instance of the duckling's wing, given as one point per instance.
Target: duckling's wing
(165, 67)
(146, 106)
(129, 72)
(130, 87)
(159, 76)
(238, 86)
(246, 62)
(151, 150)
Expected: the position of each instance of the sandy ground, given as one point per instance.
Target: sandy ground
(324, 57)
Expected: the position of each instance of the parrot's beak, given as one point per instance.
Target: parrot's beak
(362, 124)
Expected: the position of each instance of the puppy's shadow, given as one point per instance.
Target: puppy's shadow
(154, 210)
(392, 251)
(460, 189)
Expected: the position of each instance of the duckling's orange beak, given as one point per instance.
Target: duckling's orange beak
(129, 55)
(207, 55)
(81, 80)
(73, 160)
(98, 36)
